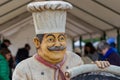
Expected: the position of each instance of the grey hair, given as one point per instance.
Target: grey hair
(102, 45)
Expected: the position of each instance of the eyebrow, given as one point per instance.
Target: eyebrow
(61, 35)
(50, 35)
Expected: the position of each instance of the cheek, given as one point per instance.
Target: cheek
(63, 43)
(50, 44)
(103, 52)
(45, 46)
(8, 57)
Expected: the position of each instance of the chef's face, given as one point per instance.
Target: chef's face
(53, 47)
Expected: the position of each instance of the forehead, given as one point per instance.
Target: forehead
(54, 34)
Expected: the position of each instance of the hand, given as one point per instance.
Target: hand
(102, 64)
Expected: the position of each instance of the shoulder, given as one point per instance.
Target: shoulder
(114, 59)
(2, 59)
(22, 70)
(71, 56)
(114, 55)
(21, 49)
(24, 63)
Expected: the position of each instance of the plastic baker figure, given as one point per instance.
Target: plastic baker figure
(51, 60)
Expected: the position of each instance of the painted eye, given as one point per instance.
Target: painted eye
(50, 40)
(61, 39)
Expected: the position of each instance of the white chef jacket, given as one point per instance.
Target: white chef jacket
(32, 69)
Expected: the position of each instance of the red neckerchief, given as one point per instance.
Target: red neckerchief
(57, 67)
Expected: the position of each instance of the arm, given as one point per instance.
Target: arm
(70, 73)
(4, 70)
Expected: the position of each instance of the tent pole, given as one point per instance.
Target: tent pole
(80, 40)
(118, 40)
(103, 36)
(73, 45)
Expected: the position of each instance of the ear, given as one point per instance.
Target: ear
(36, 42)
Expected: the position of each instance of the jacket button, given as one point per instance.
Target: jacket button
(42, 73)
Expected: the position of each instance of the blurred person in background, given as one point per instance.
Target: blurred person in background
(22, 53)
(90, 51)
(112, 42)
(77, 51)
(5, 44)
(108, 54)
(5, 56)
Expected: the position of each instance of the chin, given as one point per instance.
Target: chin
(58, 56)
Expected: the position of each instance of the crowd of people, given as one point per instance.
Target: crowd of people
(8, 61)
(103, 51)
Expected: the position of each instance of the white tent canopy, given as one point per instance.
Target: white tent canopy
(88, 19)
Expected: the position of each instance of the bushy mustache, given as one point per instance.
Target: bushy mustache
(56, 48)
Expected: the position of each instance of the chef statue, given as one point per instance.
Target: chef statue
(51, 60)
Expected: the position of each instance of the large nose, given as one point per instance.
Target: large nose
(57, 43)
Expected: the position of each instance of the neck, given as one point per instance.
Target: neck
(53, 61)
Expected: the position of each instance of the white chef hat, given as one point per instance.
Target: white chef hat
(49, 16)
